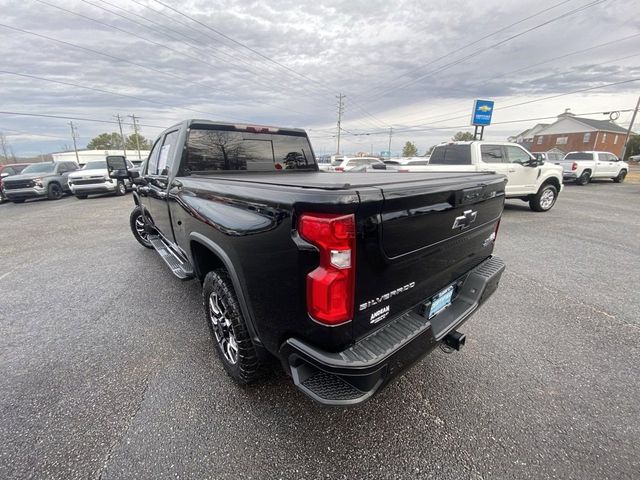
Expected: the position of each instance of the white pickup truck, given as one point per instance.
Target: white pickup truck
(583, 166)
(529, 179)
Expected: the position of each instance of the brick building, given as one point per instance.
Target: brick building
(570, 133)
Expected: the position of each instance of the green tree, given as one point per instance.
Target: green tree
(409, 149)
(113, 141)
(105, 141)
(462, 137)
(145, 143)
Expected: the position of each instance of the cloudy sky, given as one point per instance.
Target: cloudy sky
(415, 66)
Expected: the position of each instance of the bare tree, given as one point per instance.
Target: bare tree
(6, 153)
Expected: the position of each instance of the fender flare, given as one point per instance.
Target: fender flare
(235, 279)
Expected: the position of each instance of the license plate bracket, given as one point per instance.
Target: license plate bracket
(441, 301)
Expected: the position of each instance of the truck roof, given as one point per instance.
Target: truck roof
(196, 122)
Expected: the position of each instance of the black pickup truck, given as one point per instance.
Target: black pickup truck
(346, 279)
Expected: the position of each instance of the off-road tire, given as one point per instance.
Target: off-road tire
(621, 176)
(545, 199)
(247, 368)
(54, 191)
(584, 178)
(136, 222)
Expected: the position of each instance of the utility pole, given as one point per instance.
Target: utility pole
(135, 129)
(626, 138)
(390, 135)
(124, 141)
(340, 98)
(74, 136)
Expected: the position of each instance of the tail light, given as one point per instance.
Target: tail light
(403, 170)
(339, 169)
(495, 232)
(574, 166)
(330, 287)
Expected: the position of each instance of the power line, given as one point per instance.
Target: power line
(261, 55)
(474, 42)
(490, 47)
(83, 119)
(510, 72)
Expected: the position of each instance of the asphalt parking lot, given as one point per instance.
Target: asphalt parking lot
(108, 371)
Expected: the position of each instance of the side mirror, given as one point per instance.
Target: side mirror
(117, 167)
(4, 174)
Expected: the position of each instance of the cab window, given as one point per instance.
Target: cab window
(152, 161)
(491, 153)
(516, 155)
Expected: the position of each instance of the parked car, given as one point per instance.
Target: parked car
(7, 170)
(345, 281)
(529, 179)
(582, 167)
(347, 164)
(39, 180)
(634, 158)
(94, 178)
(415, 165)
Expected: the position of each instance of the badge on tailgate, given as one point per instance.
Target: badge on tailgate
(464, 220)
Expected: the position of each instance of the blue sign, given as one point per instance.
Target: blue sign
(482, 111)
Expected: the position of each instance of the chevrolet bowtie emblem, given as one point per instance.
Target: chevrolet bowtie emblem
(464, 220)
(484, 108)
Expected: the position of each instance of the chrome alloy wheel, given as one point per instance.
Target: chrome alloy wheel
(222, 328)
(140, 228)
(547, 198)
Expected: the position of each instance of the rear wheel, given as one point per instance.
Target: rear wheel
(121, 189)
(54, 192)
(544, 199)
(137, 224)
(584, 178)
(621, 176)
(228, 328)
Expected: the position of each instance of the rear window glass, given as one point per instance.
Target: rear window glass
(579, 156)
(220, 150)
(451, 155)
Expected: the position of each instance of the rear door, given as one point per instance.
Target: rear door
(607, 166)
(157, 181)
(493, 158)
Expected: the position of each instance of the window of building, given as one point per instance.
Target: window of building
(562, 140)
(540, 139)
(615, 140)
(604, 137)
(586, 137)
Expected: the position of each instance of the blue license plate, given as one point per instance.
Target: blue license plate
(441, 301)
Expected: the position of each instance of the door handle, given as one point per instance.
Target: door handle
(162, 195)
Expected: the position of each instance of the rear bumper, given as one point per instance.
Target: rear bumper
(569, 175)
(357, 373)
(24, 193)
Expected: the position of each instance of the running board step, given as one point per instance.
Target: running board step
(180, 267)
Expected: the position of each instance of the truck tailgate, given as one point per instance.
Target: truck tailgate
(425, 236)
